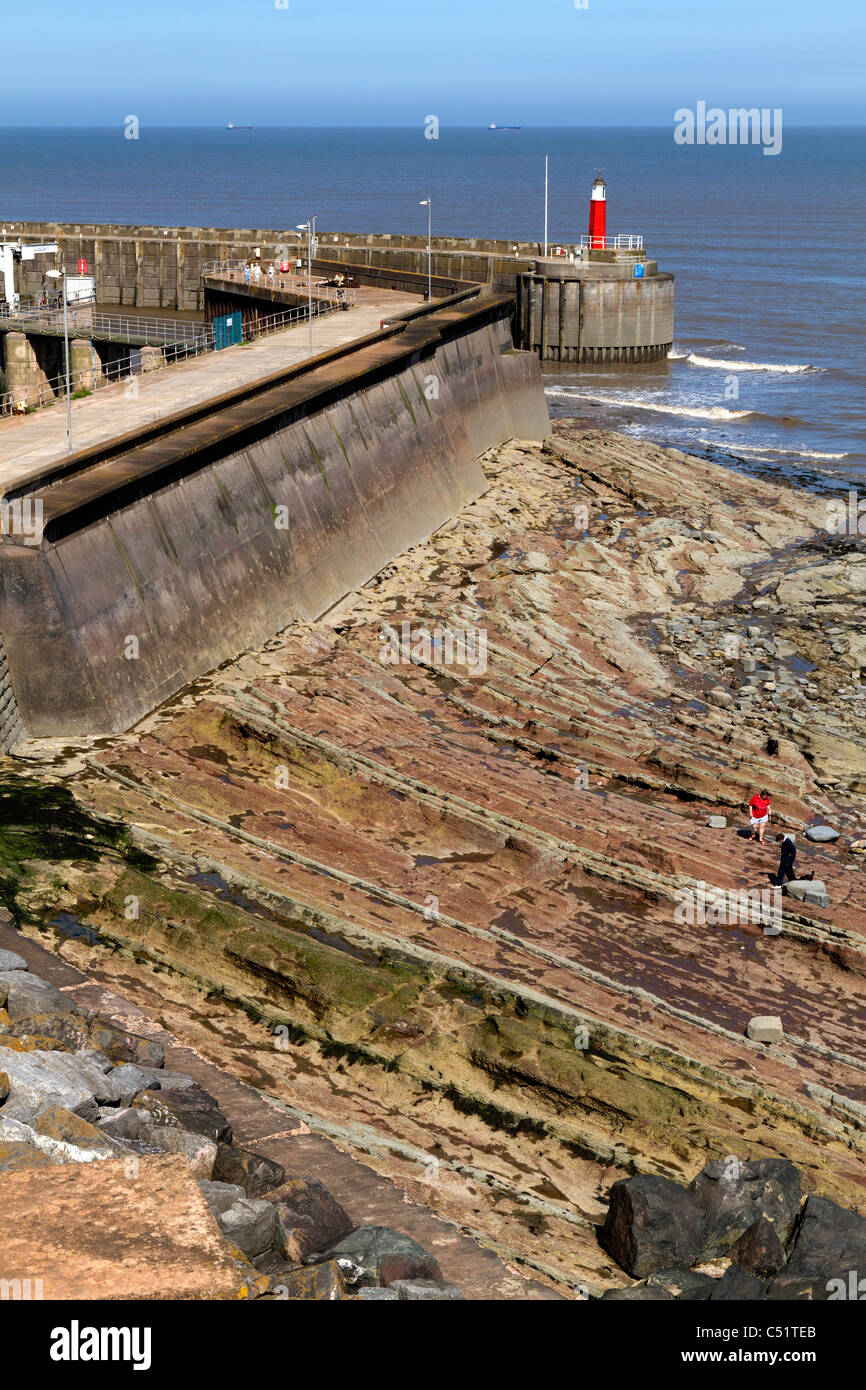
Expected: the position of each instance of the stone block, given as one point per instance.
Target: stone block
(766, 1028)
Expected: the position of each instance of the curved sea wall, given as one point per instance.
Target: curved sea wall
(179, 546)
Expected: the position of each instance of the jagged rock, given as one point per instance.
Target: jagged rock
(808, 890)
(126, 1047)
(831, 1242)
(723, 698)
(766, 1028)
(822, 834)
(4, 1086)
(425, 1290)
(652, 1224)
(251, 1224)
(759, 1250)
(717, 822)
(308, 1218)
(124, 1123)
(9, 960)
(158, 1079)
(734, 1193)
(130, 1081)
(686, 1284)
(736, 1286)
(199, 1152)
(386, 1255)
(220, 1195)
(188, 1107)
(315, 1282)
(47, 1032)
(23, 994)
(256, 1175)
(376, 1294)
(58, 1123)
(39, 1079)
(16, 1156)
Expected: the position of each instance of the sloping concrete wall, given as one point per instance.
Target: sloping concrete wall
(157, 565)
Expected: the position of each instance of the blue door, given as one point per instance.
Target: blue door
(228, 330)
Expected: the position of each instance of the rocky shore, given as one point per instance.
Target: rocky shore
(87, 1113)
(433, 906)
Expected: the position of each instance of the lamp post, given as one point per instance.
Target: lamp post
(58, 275)
(308, 228)
(546, 159)
(428, 204)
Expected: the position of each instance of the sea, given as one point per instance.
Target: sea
(768, 368)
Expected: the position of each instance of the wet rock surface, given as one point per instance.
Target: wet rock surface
(451, 912)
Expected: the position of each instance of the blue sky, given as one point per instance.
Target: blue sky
(393, 62)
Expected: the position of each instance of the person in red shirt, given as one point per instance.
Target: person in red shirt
(759, 815)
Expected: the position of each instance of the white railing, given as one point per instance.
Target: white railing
(124, 328)
(242, 273)
(623, 241)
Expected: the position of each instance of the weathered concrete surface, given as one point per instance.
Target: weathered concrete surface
(181, 548)
(116, 1229)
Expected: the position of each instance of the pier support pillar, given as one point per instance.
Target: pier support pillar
(26, 378)
(85, 368)
(152, 359)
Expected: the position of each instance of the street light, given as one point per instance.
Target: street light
(428, 204)
(308, 227)
(61, 275)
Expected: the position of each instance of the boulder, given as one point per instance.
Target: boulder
(41, 1078)
(220, 1195)
(736, 1286)
(199, 1152)
(158, 1079)
(425, 1290)
(385, 1255)
(758, 1250)
(256, 1175)
(652, 1224)
(720, 697)
(129, 1081)
(23, 994)
(808, 890)
(735, 1193)
(717, 822)
(58, 1123)
(766, 1028)
(10, 961)
(375, 1294)
(121, 1046)
(322, 1282)
(188, 1107)
(686, 1284)
(4, 1086)
(48, 1032)
(822, 834)
(250, 1223)
(830, 1245)
(122, 1123)
(308, 1218)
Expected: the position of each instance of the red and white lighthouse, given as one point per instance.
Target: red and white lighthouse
(598, 215)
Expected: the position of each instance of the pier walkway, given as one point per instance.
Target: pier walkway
(27, 442)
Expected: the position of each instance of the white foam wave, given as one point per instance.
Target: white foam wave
(696, 412)
(723, 364)
(756, 451)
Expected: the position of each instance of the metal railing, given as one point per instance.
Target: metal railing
(88, 323)
(241, 273)
(96, 377)
(623, 241)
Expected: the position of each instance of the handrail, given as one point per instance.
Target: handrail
(623, 241)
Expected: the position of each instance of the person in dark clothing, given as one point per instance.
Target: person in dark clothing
(787, 859)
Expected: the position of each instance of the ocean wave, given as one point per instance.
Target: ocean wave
(756, 451)
(724, 365)
(695, 412)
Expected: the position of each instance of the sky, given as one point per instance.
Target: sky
(395, 62)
